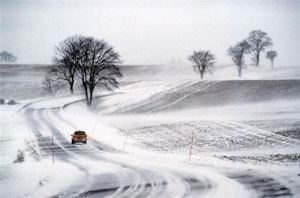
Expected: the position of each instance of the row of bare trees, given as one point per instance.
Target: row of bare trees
(90, 62)
(256, 43)
(94, 63)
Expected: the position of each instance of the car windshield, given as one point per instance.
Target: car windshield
(79, 133)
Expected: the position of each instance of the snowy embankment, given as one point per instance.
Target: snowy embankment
(191, 95)
(221, 72)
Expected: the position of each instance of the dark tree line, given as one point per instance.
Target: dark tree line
(91, 62)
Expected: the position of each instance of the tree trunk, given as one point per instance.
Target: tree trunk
(91, 89)
(201, 74)
(272, 64)
(240, 71)
(257, 59)
(86, 93)
(72, 85)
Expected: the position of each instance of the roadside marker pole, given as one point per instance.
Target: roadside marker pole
(125, 141)
(93, 130)
(191, 147)
(52, 149)
(28, 128)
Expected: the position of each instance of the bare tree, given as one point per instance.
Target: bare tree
(98, 66)
(272, 54)
(259, 41)
(7, 57)
(66, 60)
(93, 61)
(237, 53)
(203, 61)
(50, 84)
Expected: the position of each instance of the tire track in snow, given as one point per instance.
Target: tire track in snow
(97, 146)
(62, 150)
(264, 186)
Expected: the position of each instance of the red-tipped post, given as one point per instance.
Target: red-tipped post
(191, 147)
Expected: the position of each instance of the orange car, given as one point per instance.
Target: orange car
(79, 136)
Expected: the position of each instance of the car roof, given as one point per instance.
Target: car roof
(79, 132)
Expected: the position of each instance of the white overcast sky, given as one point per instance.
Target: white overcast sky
(149, 32)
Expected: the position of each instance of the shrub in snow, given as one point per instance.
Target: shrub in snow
(33, 150)
(2, 101)
(11, 102)
(20, 157)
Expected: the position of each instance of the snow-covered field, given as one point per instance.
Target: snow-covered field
(162, 134)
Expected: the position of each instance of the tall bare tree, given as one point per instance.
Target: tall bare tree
(7, 57)
(98, 66)
(66, 60)
(237, 53)
(93, 61)
(271, 55)
(259, 41)
(203, 61)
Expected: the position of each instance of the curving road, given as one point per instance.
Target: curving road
(129, 181)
